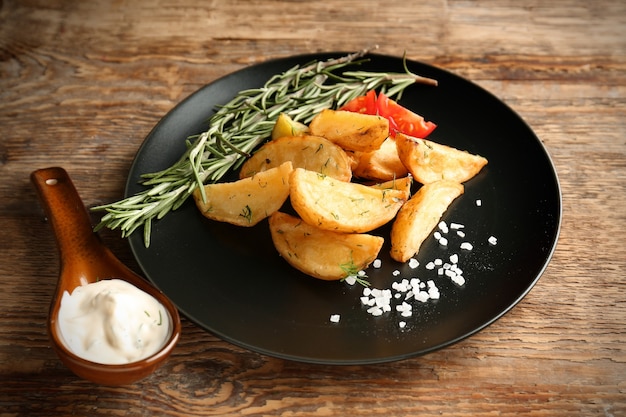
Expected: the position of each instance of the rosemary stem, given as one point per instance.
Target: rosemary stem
(240, 126)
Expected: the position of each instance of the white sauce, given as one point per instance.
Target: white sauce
(113, 322)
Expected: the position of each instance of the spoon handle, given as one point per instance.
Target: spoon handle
(67, 215)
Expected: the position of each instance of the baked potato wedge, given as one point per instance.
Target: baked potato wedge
(247, 201)
(352, 131)
(321, 253)
(420, 215)
(341, 206)
(314, 153)
(429, 161)
(382, 164)
(402, 184)
(286, 126)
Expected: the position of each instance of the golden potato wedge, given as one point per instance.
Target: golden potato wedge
(429, 161)
(382, 164)
(286, 126)
(402, 184)
(352, 131)
(247, 201)
(310, 152)
(341, 206)
(321, 253)
(420, 215)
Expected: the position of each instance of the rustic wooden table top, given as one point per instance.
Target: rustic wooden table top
(82, 84)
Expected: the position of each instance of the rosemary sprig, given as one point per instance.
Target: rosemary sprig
(241, 125)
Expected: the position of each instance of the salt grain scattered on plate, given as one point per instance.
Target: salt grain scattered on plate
(467, 246)
(404, 291)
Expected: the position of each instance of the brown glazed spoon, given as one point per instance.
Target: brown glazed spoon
(84, 259)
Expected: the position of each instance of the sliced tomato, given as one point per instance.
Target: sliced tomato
(363, 104)
(402, 119)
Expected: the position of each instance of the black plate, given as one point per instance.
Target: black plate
(231, 281)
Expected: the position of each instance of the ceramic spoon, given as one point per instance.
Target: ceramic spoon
(84, 259)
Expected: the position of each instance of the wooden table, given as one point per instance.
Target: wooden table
(82, 84)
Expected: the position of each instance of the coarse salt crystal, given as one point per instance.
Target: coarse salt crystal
(456, 226)
(430, 265)
(443, 241)
(438, 262)
(443, 227)
(460, 233)
(395, 273)
(335, 318)
(492, 240)
(381, 301)
(454, 258)
(422, 296)
(413, 263)
(467, 246)
(350, 280)
(377, 263)
(402, 324)
(458, 279)
(375, 311)
(437, 235)
(479, 203)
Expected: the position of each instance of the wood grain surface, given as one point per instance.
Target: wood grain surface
(83, 83)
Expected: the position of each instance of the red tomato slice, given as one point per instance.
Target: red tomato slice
(364, 104)
(402, 119)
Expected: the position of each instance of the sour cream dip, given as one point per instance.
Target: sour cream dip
(112, 322)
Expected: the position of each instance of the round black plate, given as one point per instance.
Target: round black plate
(231, 281)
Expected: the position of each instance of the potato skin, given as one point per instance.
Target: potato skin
(351, 131)
(420, 215)
(429, 161)
(321, 253)
(314, 153)
(247, 201)
(383, 164)
(340, 206)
